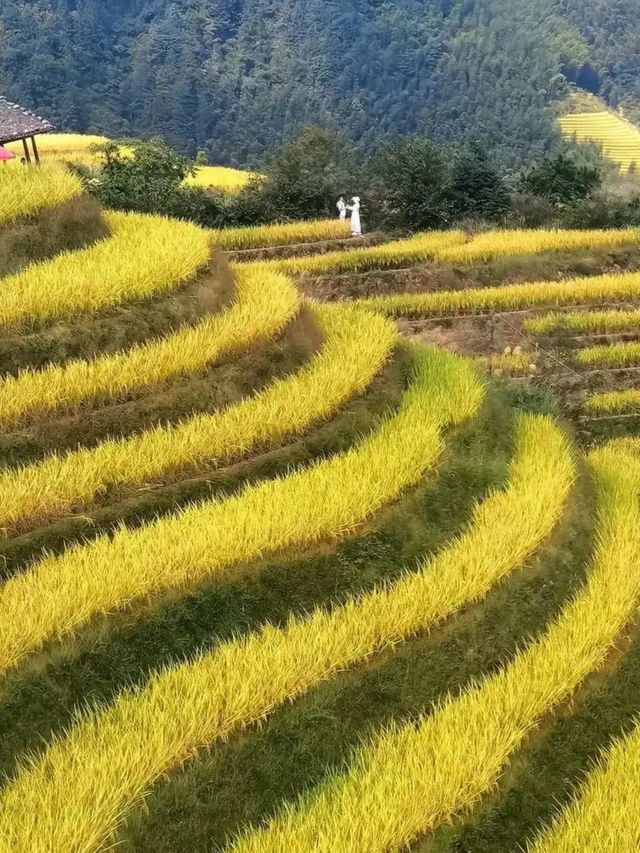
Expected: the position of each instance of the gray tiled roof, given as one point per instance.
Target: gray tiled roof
(16, 122)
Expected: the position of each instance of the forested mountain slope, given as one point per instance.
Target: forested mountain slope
(237, 76)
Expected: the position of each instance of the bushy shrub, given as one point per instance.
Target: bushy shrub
(561, 178)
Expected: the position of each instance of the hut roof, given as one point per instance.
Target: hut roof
(18, 123)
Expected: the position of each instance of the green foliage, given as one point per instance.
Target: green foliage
(418, 184)
(561, 178)
(142, 182)
(238, 78)
(476, 188)
(410, 183)
(303, 180)
(147, 177)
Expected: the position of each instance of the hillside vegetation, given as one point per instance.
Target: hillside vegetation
(307, 548)
(237, 78)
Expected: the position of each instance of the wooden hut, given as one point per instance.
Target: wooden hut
(17, 124)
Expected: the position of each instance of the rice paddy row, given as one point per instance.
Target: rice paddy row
(143, 256)
(417, 775)
(263, 307)
(356, 347)
(251, 677)
(81, 786)
(620, 140)
(453, 247)
(26, 192)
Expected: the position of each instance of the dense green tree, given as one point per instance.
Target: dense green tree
(476, 187)
(561, 178)
(142, 180)
(304, 179)
(150, 181)
(410, 180)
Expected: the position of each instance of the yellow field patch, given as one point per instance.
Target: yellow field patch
(220, 178)
(256, 236)
(620, 140)
(144, 255)
(26, 190)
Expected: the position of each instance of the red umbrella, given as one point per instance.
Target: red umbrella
(6, 155)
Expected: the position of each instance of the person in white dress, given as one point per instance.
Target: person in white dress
(356, 225)
(342, 208)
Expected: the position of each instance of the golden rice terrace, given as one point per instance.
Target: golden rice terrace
(310, 544)
(619, 139)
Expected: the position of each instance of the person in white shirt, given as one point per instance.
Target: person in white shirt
(342, 208)
(356, 225)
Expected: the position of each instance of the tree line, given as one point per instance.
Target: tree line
(410, 184)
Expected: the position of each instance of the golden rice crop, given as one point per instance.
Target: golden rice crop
(74, 797)
(453, 247)
(604, 818)
(256, 236)
(25, 191)
(629, 445)
(512, 296)
(609, 355)
(265, 304)
(221, 178)
(144, 255)
(327, 499)
(66, 148)
(60, 142)
(613, 402)
(583, 321)
(620, 140)
(422, 247)
(357, 343)
(500, 244)
(415, 776)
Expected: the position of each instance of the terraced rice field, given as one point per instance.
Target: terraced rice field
(221, 178)
(284, 572)
(82, 149)
(619, 139)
